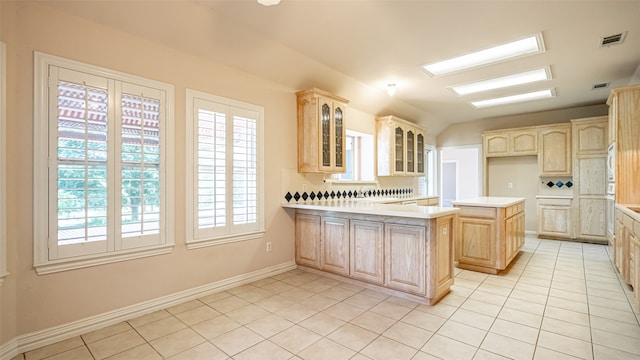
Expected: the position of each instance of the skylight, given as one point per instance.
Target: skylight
(536, 95)
(526, 77)
(527, 46)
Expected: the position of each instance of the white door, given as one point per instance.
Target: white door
(449, 182)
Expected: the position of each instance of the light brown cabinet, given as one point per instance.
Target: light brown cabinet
(410, 255)
(627, 249)
(554, 157)
(335, 245)
(321, 132)
(405, 253)
(401, 147)
(367, 244)
(555, 218)
(511, 142)
(624, 109)
(490, 236)
(590, 144)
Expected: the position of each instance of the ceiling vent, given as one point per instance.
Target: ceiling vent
(612, 39)
(600, 86)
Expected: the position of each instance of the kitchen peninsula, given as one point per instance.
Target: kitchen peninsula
(491, 232)
(406, 250)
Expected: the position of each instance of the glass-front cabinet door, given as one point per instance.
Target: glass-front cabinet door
(420, 153)
(411, 165)
(339, 138)
(325, 125)
(399, 146)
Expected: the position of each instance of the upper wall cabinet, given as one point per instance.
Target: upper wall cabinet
(401, 147)
(590, 136)
(518, 142)
(321, 132)
(554, 158)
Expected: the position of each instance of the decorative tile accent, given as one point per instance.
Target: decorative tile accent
(288, 197)
(312, 195)
(296, 196)
(559, 184)
(569, 184)
(344, 194)
(550, 184)
(305, 196)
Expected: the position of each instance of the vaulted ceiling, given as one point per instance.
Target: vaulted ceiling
(355, 48)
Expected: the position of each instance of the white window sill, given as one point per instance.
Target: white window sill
(196, 244)
(83, 262)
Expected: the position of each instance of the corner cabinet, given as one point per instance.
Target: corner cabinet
(401, 147)
(321, 132)
(554, 158)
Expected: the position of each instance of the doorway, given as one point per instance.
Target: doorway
(460, 173)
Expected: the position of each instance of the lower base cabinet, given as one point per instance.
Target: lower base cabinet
(554, 218)
(408, 255)
(626, 251)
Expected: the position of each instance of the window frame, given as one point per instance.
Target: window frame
(3, 158)
(116, 251)
(193, 239)
(359, 139)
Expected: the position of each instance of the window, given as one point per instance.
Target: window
(103, 187)
(359, 154)
(224, 170)
(3, 177)
(427, 183)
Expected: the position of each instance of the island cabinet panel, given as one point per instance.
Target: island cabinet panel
(308, 240)
(367, 244)
(335, 245)
(491, 233)
(405, 254)
(441, 272)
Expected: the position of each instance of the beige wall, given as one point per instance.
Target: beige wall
(469, 133)
(55, 299)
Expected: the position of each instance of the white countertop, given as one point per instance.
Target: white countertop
(490, 201)
(374, 208)
(554, 196)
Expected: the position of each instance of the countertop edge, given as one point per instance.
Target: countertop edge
(625, 209)
(489, 201)
(395, 210)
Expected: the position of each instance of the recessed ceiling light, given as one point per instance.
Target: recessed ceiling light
(527, 46)
(536, 95)
(526, 77)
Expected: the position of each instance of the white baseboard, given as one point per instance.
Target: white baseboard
(38, 339)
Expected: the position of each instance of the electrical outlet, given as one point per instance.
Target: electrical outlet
(269, 246)
(510, 185)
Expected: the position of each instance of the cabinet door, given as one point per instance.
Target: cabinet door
(308, 239)
(367, 238)
(405, 255)
(326, 132)
(420, 154)
(590, 137)
(613, 119)
(496, 145)
(592, 218)
(477, 241)
(524, 142)
(592, 175)
(335, 245)
(555, 151)
(399, 150)
(617, 249)
(339, 134)
(411, 149)
(554, 221)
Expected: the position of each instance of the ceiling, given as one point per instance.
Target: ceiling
(354, 48)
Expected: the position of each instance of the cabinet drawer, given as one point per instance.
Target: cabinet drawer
(478, 212)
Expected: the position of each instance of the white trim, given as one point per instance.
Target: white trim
(3, 162)
(38, 339)
(42, 165)
(223, 236)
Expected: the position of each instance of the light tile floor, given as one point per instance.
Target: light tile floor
(559, 300)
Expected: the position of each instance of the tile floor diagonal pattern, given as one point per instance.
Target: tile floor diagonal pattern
(559, 300)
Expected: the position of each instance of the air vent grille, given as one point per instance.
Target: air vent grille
(600, 86)
(612, 39)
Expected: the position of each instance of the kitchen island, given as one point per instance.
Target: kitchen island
(404, 250)
(490, 234)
